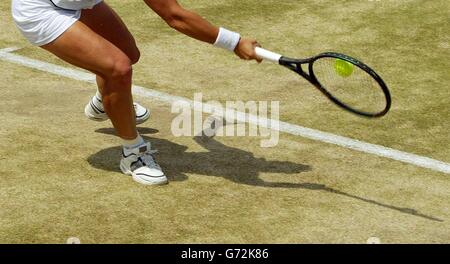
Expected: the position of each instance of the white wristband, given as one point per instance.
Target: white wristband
(227, 39)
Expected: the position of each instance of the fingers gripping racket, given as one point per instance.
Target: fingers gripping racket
(346, 81)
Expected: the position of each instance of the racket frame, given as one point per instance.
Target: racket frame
(296, 66)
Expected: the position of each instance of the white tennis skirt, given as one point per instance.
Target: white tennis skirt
(41, 21)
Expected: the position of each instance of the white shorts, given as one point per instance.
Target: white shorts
(40, 21)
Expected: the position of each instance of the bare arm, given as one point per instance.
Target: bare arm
(193, 25)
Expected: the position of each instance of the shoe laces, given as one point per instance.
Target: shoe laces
(147, 158)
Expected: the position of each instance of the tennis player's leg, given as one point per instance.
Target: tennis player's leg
(104, 21)
(84, 48)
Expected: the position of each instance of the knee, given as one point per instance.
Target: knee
(121, 69)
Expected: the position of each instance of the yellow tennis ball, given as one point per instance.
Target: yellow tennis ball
(343, 68)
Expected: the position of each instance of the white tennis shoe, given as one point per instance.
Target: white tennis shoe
(141, 165)
(94, 111)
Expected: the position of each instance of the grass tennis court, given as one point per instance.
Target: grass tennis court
(59, 171)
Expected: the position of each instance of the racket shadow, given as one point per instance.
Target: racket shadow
(261, 165)
(231, 163)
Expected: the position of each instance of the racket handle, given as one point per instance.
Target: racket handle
(267, 55)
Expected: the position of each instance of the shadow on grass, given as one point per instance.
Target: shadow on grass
(141, 130)
(231, 163)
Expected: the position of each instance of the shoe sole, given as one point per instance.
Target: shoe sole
(88, 114)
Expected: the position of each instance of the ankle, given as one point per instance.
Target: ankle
(97, 101)
(98, 95)
(132, 143)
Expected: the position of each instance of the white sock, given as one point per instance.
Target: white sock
(97, 100)
(99, 95)
(134, 143)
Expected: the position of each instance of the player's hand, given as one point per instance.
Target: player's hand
(246, 49)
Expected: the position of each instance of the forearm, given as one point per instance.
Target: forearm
(184, 21)
(194, 26)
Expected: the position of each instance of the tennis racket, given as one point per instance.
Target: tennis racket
(346, 81)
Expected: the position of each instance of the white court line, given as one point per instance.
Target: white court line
(420, 161)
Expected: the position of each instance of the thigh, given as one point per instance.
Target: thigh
(103, 20)
(83, 47)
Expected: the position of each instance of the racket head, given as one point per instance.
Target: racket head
(346, 81)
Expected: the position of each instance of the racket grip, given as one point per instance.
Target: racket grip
(267, 55)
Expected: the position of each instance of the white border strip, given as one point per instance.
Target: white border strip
(420, 161)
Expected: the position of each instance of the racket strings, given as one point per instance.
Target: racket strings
(350, 84)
